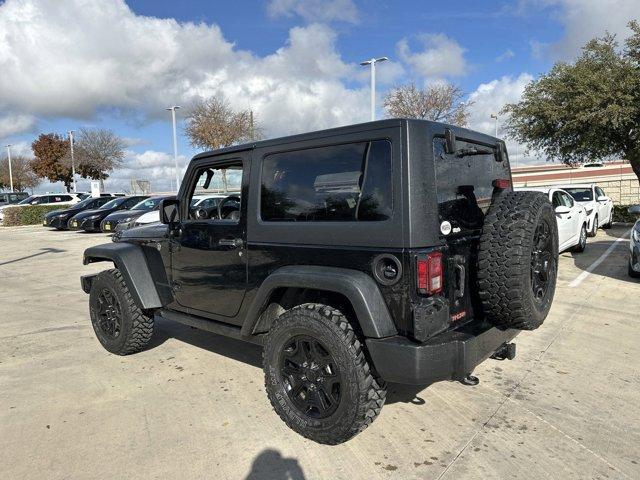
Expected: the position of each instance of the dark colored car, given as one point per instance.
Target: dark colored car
(59, 218)
(90, 220)
(123, 220)
(12, 198)
(391, 251)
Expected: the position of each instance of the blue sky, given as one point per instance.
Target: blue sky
(116, 65)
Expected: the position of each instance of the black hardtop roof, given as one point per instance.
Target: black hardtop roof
(347, 129)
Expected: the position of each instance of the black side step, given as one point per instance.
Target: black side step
(210, 326)
(507, 351)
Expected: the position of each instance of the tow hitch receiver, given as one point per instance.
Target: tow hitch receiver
(507, 351)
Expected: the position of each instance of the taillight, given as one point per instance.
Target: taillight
(429, 273)
(502, 183)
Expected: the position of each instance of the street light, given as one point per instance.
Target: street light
(10, 174)
(372, 63)
(495, 116)
(175, 144)
(73, 163)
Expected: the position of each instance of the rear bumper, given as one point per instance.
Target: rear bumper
(448, 356)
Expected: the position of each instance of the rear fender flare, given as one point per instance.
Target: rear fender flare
(359, 288)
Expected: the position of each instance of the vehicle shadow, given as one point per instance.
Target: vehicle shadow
(271, 465)
(245, 352)
(615, 264)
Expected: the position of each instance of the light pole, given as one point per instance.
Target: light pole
(10, 173)
(372, 63)
(73, 162)
(495, 116)
(175, 144)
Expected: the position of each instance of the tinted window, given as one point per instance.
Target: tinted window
(580, 194)
(27, 200)
(556, 200)
(599, 192)
(566, 200)
(116, 202)
(130, 202)
(340, 183)
(148, 204)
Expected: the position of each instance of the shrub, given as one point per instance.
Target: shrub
(620, 214)
(28, 215)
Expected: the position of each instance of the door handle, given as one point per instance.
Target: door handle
(231, 242)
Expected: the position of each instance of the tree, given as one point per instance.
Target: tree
(213, 124)
(587, 109)
(97, 152)
(21, 172)
(50, 151)
(441, 102)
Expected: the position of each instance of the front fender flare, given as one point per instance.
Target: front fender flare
(359, 288)
(132, 263)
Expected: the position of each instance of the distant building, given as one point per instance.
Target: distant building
(615, 178)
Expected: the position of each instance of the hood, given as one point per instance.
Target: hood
(122, 214)
(88, 213)
(144, 232)
(67, 211)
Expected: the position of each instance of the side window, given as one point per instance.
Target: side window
(599, 192)
(130, 202)
(350, 182)
(556, 200)
(223, 183)
(567, 200)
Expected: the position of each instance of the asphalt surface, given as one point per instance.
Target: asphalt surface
(193, 405)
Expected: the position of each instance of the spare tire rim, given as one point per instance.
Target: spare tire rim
(311, 376)
(109, 314)
(541, 261)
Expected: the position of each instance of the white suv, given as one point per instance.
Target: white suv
(599, 207)
(45, 199)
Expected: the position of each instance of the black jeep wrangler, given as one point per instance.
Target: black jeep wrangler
(391, 251)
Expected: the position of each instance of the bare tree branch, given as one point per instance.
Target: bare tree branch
(98, 152)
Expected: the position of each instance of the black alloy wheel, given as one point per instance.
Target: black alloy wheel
(542, 259)
(109, 314)
(311, 377)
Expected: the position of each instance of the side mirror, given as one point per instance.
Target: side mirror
(634, 210)
(169, 211)
(603, 198)
(561, 210)
(450, 141)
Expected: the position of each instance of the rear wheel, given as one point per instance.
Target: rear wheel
(518, 260)
(317, 376)
(121, 327)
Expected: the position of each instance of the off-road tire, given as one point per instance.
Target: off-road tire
(582, 242)
(362, 393)
(505, 260)
(136, 329)
(594, 227)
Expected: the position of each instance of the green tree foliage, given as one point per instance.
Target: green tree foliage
(584, 110)
(50, 151)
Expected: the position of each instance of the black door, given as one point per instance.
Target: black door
(208, 254)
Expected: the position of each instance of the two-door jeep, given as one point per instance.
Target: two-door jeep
(390, 251)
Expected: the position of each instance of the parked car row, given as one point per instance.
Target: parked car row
(45, 199)
(580, 210)
(103, 214)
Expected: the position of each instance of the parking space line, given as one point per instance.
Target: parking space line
(579, 279)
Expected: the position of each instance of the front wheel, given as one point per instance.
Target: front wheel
(121, 327)
(582, 242)
(317, 376)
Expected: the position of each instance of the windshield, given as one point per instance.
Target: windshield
(83, 203)
(27, 200)
(580, 194)
(113, 203)
(148, 204)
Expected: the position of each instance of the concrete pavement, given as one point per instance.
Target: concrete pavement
(193, 405)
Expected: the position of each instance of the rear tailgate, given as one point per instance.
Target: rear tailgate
(465, 182)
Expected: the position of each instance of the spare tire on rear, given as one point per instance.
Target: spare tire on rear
(518, 260)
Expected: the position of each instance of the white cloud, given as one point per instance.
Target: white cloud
(442, 56)
(506, 55)
(490, 98)
(315, 10)
(104, 56)
(584, 20)
(12, 124)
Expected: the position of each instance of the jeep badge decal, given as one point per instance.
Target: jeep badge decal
(445, 228)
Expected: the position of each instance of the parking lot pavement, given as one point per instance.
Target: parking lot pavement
(193, 405)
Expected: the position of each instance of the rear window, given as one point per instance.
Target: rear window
(350, 182)
(464, 183)
(580, 194)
